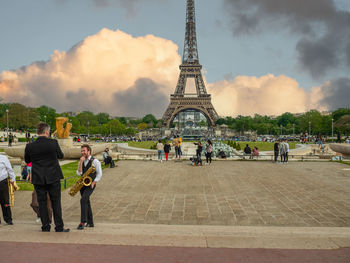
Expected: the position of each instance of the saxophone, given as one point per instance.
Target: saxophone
(84, 180)
(12, 188)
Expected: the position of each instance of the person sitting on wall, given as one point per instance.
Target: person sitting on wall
(108, 159)
(222, 154)
(247, 151)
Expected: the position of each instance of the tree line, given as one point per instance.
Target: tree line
(312, 121)
(23, 118)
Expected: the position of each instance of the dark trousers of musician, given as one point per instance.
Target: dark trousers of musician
(86, 212)
(54, 191)
(4, 201)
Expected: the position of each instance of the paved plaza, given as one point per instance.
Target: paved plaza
(249, 211)
(232, 193)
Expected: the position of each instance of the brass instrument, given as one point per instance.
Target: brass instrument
(84, 180)
(12, 188)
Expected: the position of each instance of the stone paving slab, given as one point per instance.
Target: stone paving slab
(231, 193)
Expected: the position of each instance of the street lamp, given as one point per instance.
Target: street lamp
(7, 128)
(281, 129)
(332, 129)
(88, 123)
(45, 118)
(309, 130)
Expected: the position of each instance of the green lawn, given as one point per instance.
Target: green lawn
(68, 170)
(1, 150)
(144, 145)
(264, 146)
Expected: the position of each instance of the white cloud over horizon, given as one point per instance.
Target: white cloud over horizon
(114, 72)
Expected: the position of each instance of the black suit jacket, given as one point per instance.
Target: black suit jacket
(44, 154)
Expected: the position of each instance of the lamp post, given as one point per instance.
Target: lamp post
(332, 129)
(45, 118)
(309, 130)
(88, 125)
(281, 129)
(7, 126)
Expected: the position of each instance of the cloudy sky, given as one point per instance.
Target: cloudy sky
(122, 56)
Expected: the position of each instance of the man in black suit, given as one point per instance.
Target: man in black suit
(46, 174)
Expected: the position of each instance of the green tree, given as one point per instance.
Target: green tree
(50, 114)
(142, 126)
(102, 118)
(340, 113)
(149, 118)
(285, 119)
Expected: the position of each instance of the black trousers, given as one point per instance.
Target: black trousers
(4, 201)
(86, 212)
(208, 156)
(286, 157)
(54, 191)
(276, 155)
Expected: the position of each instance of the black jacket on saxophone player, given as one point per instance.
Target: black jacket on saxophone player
(44, 154)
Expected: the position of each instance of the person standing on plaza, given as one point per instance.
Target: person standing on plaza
(286, 155)
(176, 144)
(5, 173)
(27, 136)
(282, 151)
(338, 137)
(276, 149)
(209, 151)
(86, 161)
(199, 149)
(10, 138)
(167, 149)
(46, 174)
(180, 149)
(160, 148)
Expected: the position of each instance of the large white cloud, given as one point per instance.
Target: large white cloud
(266, 95)
(87, 76)
(123, 75)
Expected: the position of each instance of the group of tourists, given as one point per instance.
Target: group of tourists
(281, 147)
(248, 151)
(45, 174)
(166, 148)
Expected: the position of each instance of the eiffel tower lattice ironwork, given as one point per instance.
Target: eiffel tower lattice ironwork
(190, 68)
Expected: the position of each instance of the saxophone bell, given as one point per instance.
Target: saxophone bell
(87, 181)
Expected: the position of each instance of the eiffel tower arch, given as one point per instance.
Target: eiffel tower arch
(190, 68)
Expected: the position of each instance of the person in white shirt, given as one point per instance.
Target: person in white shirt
(5, 173)
(287, 150)
(86, 161)
(160, 148)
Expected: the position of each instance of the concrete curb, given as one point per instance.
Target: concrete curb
(185, 236)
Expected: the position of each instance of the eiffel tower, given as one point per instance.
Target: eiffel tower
(190, 68)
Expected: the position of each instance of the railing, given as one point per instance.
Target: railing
(65, 180)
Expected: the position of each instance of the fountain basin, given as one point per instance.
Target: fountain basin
(342, 148)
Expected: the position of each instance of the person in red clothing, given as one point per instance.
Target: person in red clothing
(29, 171)
(167, 149)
